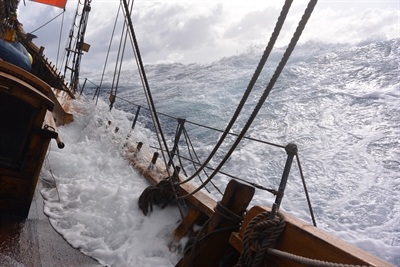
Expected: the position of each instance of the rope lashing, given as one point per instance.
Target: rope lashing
(160, 194)
(227, 214)
(260, 233)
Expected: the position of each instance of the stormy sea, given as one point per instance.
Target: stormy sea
(339, 103)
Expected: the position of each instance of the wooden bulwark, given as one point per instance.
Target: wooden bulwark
(305, 240)
(59, 97)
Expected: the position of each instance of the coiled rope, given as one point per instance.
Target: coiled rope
(261, 232)
(161, 194)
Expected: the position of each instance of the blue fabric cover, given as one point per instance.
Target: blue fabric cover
(14, 53)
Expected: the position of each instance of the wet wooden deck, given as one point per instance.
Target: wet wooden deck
(34, 242)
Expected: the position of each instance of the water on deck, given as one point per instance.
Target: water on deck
(34, 242)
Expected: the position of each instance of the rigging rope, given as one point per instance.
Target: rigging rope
(149, 97)
(48, 21)
(108, 53)
(59, 38)
(146, 87)
(118, 73)
(268, 49)
(305, 190)
(282, 63)
(156, 122)
(189, 142)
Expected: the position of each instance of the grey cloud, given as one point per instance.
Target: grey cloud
(253, 24)
(175, 32)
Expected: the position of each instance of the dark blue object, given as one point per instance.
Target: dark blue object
(14, 54)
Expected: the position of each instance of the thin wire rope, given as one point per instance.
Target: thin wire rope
(282, 63)
(149, 97)
(69, 41)
(200, 125)
(305, 190)
(272, 191)
(176, 142)
(260, 66)
(59, 38)
(108, 53)
(191, 148)
(48, 21)
(51, 172)
(191, 160)
(120, 65)
(153, 108)
(121, 53)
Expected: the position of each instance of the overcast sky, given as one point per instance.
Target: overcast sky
(190, 31)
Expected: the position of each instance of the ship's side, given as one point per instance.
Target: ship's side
(33, 102)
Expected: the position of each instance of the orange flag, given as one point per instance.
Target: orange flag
(57, 3)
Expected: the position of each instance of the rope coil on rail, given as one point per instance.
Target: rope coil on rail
(161, 194)
(260, 233)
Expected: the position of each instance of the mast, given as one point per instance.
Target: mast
(76, 44)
